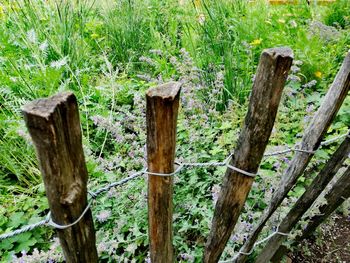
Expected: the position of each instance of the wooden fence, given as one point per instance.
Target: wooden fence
(54, 126)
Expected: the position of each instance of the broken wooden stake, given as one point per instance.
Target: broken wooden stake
(310, 142)
(265, 97)
(162, 109)
(54, 126)
(306, 200)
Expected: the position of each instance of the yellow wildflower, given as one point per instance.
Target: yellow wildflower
(94, 35)
(282, 21)
(14, 7)
(318, 74)
(2, 13)
(197, 3)
(256, 42)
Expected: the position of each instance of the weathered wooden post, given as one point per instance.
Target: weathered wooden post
(335, 197)
(339, 192)
(265, 97)
(54, 126)
(162, 109)
(310, 141)
(306, 200)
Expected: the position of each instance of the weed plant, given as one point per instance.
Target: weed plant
(109, 53)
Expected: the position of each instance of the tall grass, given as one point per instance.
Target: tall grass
(132, 28)
(57, 45)
(217, 45)
(128, 31)
(34, 35)
(338, 14)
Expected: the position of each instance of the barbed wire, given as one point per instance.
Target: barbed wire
(49, 222)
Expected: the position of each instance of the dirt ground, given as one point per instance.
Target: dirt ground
(331, 246)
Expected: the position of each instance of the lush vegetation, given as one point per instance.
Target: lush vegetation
(109, 54)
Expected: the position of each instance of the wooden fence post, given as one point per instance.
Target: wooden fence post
(310, 141)
(162, 109)
(306, 200)
(265, 97)
(54, 126)
(335, 197)
(339, 192)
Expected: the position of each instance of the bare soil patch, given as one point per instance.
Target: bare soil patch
(331, 245)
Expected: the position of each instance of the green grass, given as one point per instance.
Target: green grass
(109, 54)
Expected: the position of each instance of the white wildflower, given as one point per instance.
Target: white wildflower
(293, 24)
(43, 46)
(103, 216)
(293, 78)
(310, 84)
(13, 79)
(28, 66)
(101, 247)
(131, 248)
(173, 60)
(59, 63)
(295, 69)
(147, 60)
(144, 77)
(31, 36)
(201, 19)
(157, 52)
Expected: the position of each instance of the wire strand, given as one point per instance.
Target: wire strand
(49, 222)
(254, 246)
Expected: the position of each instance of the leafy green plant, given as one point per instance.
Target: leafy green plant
(12, 217)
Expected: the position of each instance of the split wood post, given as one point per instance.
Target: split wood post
(54, 126)
(265, 97)
(339, 192)
(306, 200)
(335, 197)
(310, 142)
(162, 109)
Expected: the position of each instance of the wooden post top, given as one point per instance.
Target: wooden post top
(167, 91)
(45, 107)
(279, 52)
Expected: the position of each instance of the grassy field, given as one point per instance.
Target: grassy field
(108, 53)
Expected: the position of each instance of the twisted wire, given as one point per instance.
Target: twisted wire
(254, 246)
(25, 229)
(49, 222)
